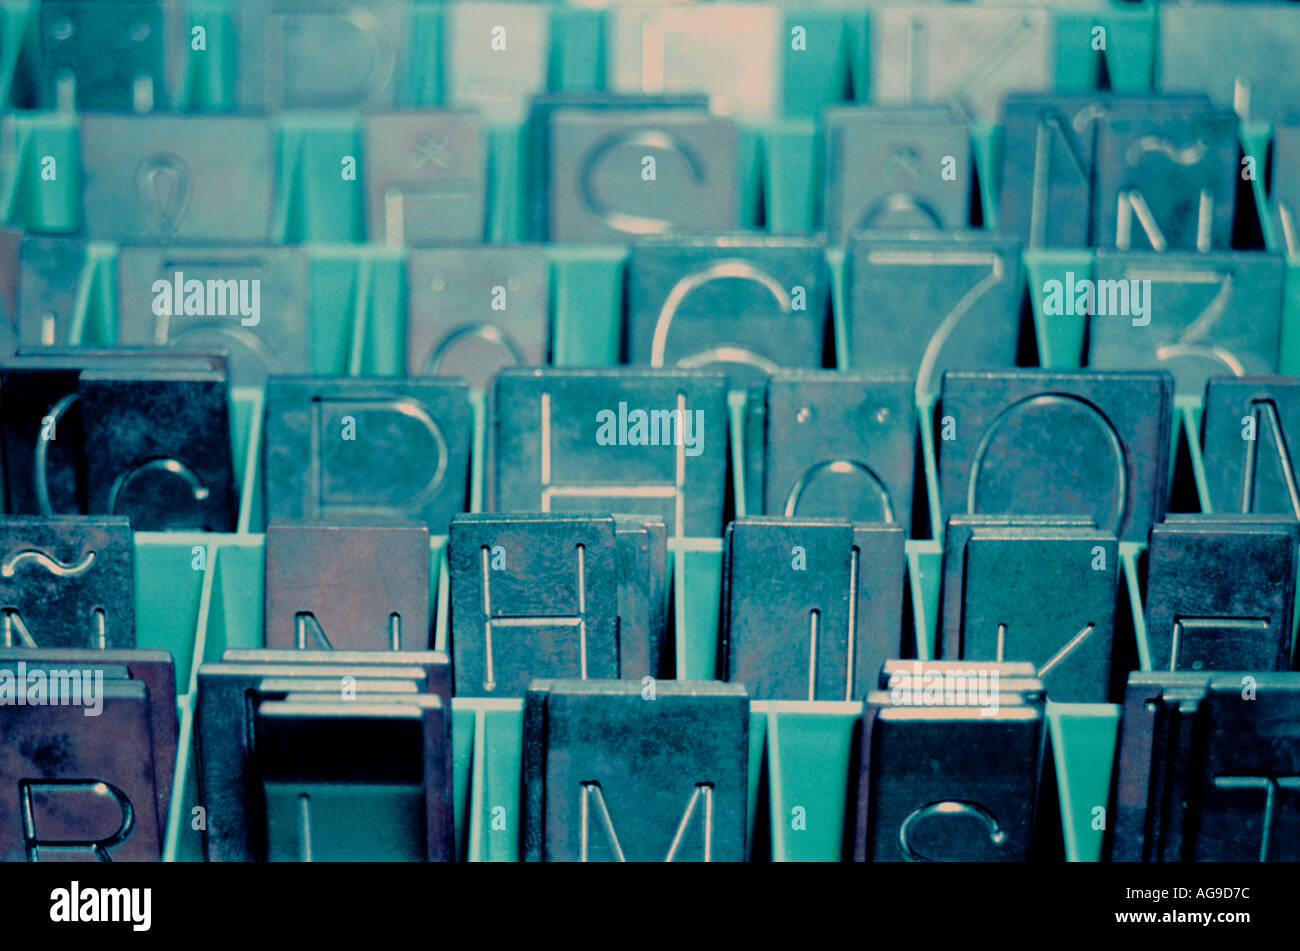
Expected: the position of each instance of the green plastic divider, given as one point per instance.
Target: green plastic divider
(44, 180)
(507, 196)
(1130, 554)
(1126, 46)
(587, 303)
(1289, 346)
(208, 73)
(817, 63)
(577, 61)
(425, 80)
(696, 568)
(810, 749)
(169, 574)
(924, 577)
(1083, 737)
(1061, 337)
(316, 202)
(791, 155)
(17, 23)
(495, 822)
(986, 149)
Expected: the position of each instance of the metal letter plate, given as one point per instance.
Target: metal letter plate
(614, 775)
(67, 582)
(312, 54)
(971, 55)
(731, 51)
(1166, 182)
(80, 788)
(1209, 314)
(730, 302)
(158, 449)
(51, 271)
(496, 56)
(250, 302)
(1249, 457)
(578, 440)
(1208, 768)
(812, 606)
(426, 177)
(366, 586)
(885, 165)
(544, 149)
(951, 783)
(840, 445)
(471, 311)
(598, 186)
(1220, 593)
(228, 694)
(532, 596)
(642, 595)
(1009, 612)
(920, 304)
(112, 54)
(1064, 443)
(178, 179)
(957, 532)
(44, 461)
(361, 779)
(349, 447)
(1232, 51)
(155, 670)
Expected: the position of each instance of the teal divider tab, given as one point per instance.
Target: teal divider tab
(1062, 334)
(696, 565)
(751, 173)
(321, 192)
(425, 79)
(924, 577)
(1084, 737)
(170, 568)
(817, 63)
(338, 297)
(587, 304)
(986, 148)
(183, 838)
(507, 198)
(210, 51)
(577, 61)
(17, 29)
(810, 748)
(790, 158)
(45, 187)
(1130, 554)
(496, 817)
(1131, 45)
(1289, 346)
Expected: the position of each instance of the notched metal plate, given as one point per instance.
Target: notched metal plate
(746, 305)
(1196, 315)
(532, 596)
(426, 177)
(171, 179)
(353, 586)
(1057, 443)
(614, 772)
(920, 304)
(250, 302)
(67, 582)
(840, 445)
(650, 442)
(354, 447)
